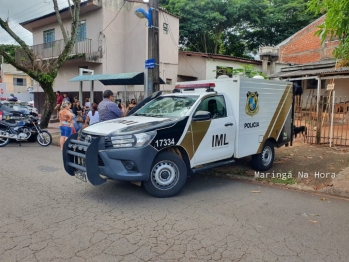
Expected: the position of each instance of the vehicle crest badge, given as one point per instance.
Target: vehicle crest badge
(252, 105)
(88, 139)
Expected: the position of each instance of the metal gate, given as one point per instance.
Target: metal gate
(326, 124)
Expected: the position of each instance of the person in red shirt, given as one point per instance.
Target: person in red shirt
(59, 101)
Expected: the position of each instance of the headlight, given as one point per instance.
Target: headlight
(136, 140)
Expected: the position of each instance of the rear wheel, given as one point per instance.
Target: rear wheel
(44, 138)
(265, 159)
(4, 141)
(167, 177)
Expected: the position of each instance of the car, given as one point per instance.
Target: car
(12, 112)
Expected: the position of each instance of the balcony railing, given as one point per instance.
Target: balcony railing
(54, 49)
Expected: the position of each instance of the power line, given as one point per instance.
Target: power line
(114, 16)
(17, 25)
(127, 36)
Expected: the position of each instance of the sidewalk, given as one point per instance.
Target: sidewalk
(53, 128)
(311, 168)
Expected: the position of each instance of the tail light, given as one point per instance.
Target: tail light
(0, 115)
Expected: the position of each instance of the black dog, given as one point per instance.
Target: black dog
(300, 130)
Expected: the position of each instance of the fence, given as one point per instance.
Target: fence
(55, 48)
(329, 124)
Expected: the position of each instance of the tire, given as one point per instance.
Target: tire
(44, 138)
(264, 160)
(168, 175)
(4, 141)
(32, 138)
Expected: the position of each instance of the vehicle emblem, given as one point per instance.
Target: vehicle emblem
(252, 105)
(88, 139)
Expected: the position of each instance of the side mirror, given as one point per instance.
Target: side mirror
(202, 116)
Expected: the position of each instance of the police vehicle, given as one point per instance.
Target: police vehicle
(201, 125)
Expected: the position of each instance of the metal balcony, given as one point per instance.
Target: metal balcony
(81, 49)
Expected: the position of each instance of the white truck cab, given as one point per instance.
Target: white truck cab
(201, 125)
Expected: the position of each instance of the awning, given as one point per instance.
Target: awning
(302, 73)
(136, 78)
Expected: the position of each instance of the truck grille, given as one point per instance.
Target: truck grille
(77, 152)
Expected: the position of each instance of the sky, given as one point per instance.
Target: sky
(23, 10)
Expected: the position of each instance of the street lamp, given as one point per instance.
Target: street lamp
(140, 13)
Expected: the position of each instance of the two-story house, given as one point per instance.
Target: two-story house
(15, 82)
(111, 39)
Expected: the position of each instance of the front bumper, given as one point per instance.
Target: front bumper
(94, 159)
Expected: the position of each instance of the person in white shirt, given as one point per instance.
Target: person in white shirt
(93, 116)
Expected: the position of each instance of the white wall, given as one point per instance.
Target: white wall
(211, 65)
(192, 66)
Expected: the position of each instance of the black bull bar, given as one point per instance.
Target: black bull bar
(82, 156)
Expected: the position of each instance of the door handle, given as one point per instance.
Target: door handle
(228, 124)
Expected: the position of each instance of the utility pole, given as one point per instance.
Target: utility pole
(153, 49)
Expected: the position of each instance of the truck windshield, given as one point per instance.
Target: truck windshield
(167, 106)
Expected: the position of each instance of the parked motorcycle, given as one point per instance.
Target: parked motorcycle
(23, 130)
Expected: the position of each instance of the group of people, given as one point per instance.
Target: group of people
(74, 117)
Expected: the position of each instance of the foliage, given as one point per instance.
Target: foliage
(335, 26)
(43, 71)
(245, 71)
(237, 27)
(10, 49)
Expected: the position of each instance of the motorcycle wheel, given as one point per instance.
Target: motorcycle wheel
(4, 141)
(44, 138)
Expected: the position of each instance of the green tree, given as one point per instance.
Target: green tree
(237, 27)
(44, 72)
(335, 26)
(203, 22)
(276, 20)
(9, 49)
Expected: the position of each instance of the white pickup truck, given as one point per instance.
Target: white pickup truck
(201, 125)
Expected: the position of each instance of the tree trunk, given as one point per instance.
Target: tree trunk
(50, 103)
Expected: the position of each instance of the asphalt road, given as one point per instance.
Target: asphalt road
(46, 215)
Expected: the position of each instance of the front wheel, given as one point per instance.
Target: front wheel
(44, 138)
(167, 177)
(264, 160)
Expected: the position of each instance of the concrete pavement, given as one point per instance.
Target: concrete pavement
(47, 215)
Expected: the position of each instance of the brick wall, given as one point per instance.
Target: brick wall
(304, 47)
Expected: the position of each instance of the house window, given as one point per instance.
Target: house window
(49, 38)
(81, 33)
(165, 28)
(83, 67)
(224, 70)
(168, 81)
(19, 81)
(312, 84)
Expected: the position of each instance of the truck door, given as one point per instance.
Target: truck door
(213, 139)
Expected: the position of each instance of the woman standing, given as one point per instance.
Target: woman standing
(93, 115)
(131, 105)
(87, 103)
(65, 123)
(78, 112)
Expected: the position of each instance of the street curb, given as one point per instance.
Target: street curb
(55, 139)
(329, 190)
